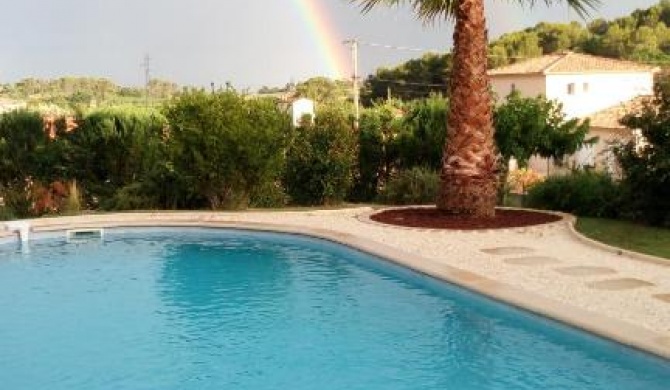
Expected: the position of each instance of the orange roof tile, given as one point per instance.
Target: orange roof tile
(609, 117)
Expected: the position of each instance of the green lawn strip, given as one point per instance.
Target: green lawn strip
(627, 235)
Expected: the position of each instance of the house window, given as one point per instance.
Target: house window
(571, 89)
(585, 87)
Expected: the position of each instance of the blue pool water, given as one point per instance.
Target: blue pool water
(209, 309)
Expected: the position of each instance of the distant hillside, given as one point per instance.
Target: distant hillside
(78, 92)
(642, 36)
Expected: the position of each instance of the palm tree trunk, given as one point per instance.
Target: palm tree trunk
(468, 177)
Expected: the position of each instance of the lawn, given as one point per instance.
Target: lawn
(627, 235)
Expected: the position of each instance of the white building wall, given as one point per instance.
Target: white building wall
(585, 94)
(7, 106)
(300, 108)
(527, 85)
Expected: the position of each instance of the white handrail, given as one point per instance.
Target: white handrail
(20, 227)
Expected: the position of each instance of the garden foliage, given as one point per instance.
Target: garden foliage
(377, 154)
(412, 186)
(646, 165)
(584, 193)
(320, 160)
(224, 147)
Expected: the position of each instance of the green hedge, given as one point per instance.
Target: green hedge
(584, 193)
(320, 160)
(411, 186)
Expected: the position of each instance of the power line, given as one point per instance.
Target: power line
(401, 82)
(428, 50)
(393, 47)
(489, 55)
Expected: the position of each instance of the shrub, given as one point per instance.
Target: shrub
(376, 154)
(6, 214)
(112, 148)
(584, 193)
(389, 142)
(223, 146)
(23, 142)
(269, 195)
(646, 165)
(412, 186)
(130, 197)
(321, 159)
(72, 203)
(17, 202)
(423, 134)
(520, 180)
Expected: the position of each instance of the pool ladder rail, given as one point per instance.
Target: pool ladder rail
(21, 228)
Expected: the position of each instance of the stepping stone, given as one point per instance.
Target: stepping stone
(619, 284)
(663, 297)
(532, 260)
(585, 271)
(507, 250)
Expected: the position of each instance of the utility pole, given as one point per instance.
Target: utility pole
(147, 78)
(355, 79)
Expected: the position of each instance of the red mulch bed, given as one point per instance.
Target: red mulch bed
(431, 217)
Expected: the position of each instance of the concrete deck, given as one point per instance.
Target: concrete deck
(546, 269)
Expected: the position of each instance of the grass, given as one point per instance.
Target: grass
(627, 235)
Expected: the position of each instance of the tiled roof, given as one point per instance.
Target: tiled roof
(609, 117)
(570, 62)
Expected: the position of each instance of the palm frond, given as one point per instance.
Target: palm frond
(582, 7)
(426, 10)
(431, 10)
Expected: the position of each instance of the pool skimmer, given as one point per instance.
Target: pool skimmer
(78, 235)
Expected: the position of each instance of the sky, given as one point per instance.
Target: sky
(249, 43)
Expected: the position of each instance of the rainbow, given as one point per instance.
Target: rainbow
(326, 38)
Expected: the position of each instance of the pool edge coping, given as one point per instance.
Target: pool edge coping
(622, 332)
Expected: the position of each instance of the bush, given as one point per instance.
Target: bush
(72, 204)
(17, 202)
(376, 154)
(224, 146)
(423, 135)
(584, 193)
(646, 165)
(130, 197)
(6, 214)
(269, 195)
(112, 148)
(413, 186)
(23, 143)
(321, 159)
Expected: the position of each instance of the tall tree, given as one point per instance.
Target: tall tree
(468, 176)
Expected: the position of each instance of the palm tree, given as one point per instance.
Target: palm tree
(469, 162)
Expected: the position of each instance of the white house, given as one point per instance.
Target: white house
(606, 126)
(585, 85)
(7, 105)
(300, 108)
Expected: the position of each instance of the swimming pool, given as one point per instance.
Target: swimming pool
(212, 309)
